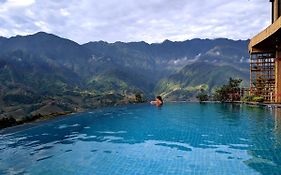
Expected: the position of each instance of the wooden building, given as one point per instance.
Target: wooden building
(265, 62)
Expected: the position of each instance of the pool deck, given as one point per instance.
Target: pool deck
(257, 104)
(268, 105)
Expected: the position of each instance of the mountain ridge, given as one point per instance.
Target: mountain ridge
(44, 67)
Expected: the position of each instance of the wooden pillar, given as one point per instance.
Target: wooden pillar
(275, 9)
(279, 8)
(272, 11)
(278, 77)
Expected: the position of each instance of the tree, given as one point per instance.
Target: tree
(139, 98)
(229, 92)
(202, 96)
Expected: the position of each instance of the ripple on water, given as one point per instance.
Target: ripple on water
(43, 148)
(205, 146)
(174, 146)
(91, 139)
(33, 143)
(45, 134)
(44, 158)
(239, 146)
(112, 132)
(108, 152)
(178, 139)
(65, 126)
(14, 171)
(65, 142)
(222, 152)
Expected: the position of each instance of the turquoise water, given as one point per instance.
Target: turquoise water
(179, 138)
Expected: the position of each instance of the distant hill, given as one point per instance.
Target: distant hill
(186, 65)
(40, 69)
(196, 76)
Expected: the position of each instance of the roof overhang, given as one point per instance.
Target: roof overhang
(266, 40)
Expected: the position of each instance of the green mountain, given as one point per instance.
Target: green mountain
(194, 77)
(44, 71)
(179, 69)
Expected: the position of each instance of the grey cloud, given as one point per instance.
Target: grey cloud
(135, 20)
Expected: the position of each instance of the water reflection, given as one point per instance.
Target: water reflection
(265, 137)
(277, 126)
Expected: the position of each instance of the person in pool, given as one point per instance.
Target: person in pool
(158, 101)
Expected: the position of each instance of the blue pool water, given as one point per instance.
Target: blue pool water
(179, 138)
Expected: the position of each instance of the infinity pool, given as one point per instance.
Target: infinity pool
(179, 138)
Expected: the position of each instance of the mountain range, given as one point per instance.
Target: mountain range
(43, 72)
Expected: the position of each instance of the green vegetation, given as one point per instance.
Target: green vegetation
(7, 122)
(252, 98)
(247, 98)
(18, 99)
(202, 96)
(139, 98)
(228, 92)
(193, 77)
(258, 99)
(44, 74)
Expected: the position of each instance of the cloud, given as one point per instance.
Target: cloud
(127, 20)
(14, 4)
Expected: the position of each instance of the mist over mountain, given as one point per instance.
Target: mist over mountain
(176, 68)
(40, 68)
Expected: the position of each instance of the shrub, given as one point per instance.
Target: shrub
(252, 98)
(138, 98)
(18, 98)
(247, 98)
(202, 97)
(228, 92)
(258, 99)
(7, 122)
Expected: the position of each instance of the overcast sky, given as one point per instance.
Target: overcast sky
(135, 20)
